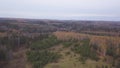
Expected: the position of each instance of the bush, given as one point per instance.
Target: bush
(110, 51)
(85, 50)
(67, 44)
(45, 43)
(41, 58)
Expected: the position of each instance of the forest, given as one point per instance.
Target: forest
(39, 43)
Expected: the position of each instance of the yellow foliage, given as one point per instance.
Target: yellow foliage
(102, 41)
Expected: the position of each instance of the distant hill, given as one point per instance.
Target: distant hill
(45, 25)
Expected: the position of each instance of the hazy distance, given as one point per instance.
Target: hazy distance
(61, 9)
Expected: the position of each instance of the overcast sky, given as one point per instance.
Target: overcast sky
(61, 9)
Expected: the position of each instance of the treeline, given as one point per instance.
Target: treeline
(13, 42)
(10, 43)
(101, 34)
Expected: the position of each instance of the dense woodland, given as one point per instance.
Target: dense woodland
(42, 42)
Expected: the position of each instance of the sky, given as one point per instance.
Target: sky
(108, 10)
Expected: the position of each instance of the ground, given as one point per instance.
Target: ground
(71, 60)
